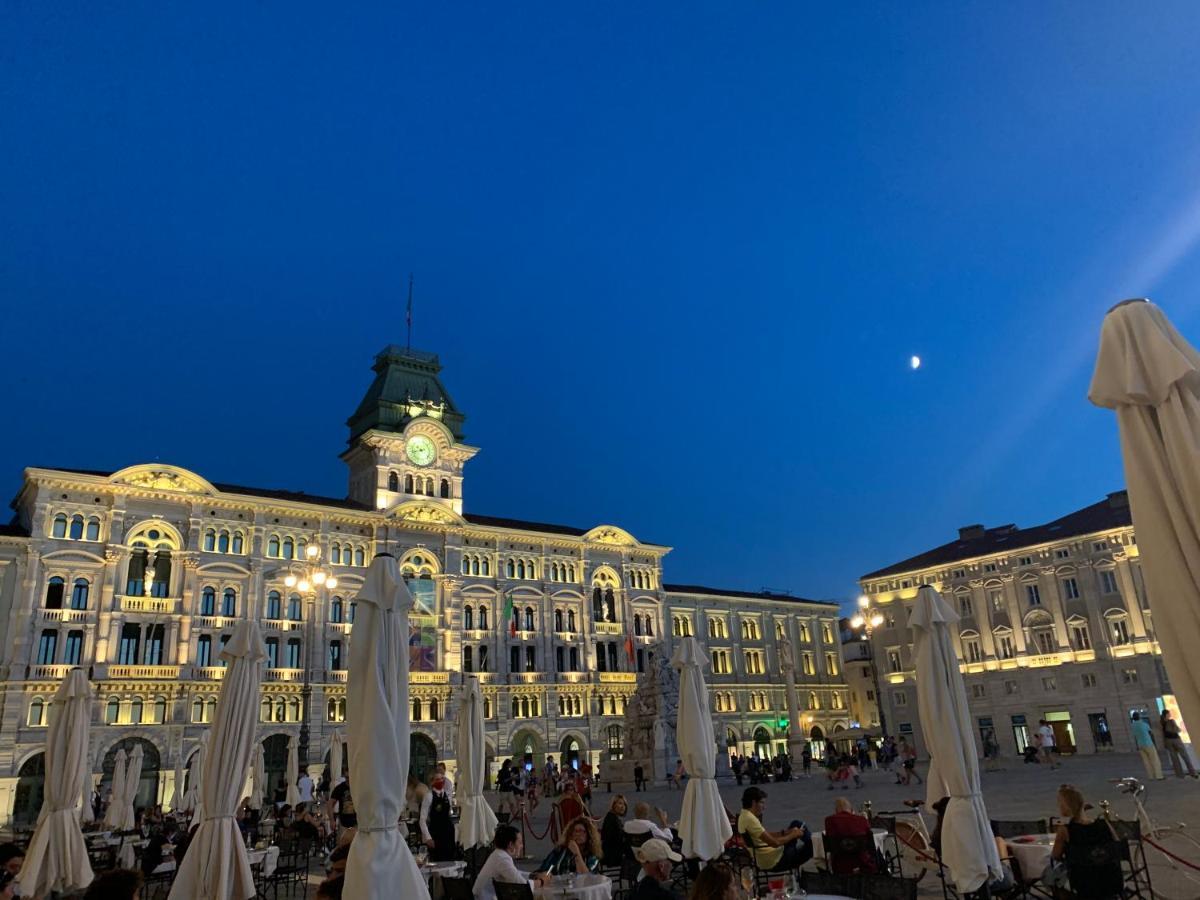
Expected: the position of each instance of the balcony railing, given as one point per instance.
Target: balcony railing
(429, 678)
(285, 674)
(40, 673)
(527, 677)
(282, 624)
(65, 616)
(608, 628)
(618, 677)
(171, 672)
(337, 676)
(157, 605)
(208, 673)
(214, 622)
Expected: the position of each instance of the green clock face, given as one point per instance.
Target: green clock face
(420, 450)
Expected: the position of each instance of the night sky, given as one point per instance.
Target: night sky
(674, 261)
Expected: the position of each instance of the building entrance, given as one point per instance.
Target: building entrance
(1101, 731)
(1064, 731)
(31, 786)
(422, 757)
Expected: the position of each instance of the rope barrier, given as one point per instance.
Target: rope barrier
(1165, 852)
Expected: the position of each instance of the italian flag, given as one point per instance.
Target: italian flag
(508, 614)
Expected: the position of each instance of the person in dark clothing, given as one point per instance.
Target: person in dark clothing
(639, 778)
(116, 884)
(1089, 848)
(152, 856)
(437, 828)
(304, 825)
(613, 842)
(656, 857)
(345, 805)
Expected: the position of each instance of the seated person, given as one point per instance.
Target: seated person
(578, 850)
(774, 851)
(1084, 845)
(656, 857)
(845, 822)
(640, 824)
(304, 824)
(499, 865)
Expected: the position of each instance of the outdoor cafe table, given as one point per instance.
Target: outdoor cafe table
(818, 839)
(576, 887)
(1032, 853)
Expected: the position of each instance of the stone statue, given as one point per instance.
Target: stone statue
(660, 738)
(787, 657)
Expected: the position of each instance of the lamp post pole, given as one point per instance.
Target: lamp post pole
(308, 577)
(865, 623)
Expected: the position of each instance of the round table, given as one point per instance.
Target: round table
(1032, 852)
(576, 887)
(818, 839)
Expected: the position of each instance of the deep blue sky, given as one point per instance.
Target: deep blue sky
(674, 261)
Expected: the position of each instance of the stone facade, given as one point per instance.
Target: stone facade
(139, 576)
(1054, 624)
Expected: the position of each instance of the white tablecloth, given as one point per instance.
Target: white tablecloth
(818, 838)
(577, 887)
(268, 857)
(1032, 852)
(443, 870)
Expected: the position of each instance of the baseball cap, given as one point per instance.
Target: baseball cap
(656, 850)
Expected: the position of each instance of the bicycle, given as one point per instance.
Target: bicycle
(913, 842)
(1173, 854)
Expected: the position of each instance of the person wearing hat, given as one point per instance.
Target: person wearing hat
(437, 828)
(656, 857)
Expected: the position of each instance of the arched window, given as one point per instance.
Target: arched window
(229, 602)
(637, 625)
(289, 548)
(37, 713)
(445, 489)
(273, 546)
(529, 618)
(516, 707)
(197, 710)
(393, 481)
(359, 557)
(812, 700)
(335, 610)
(416, 713)
(93, 529)
(510, 570)
(76, 528)
(649, 626)
(293, 609)
(468, 618)
(210, 540)
(558, 620)
(238, 542)
(135, 711)
(408, 483)
(280, 710)
(433, 710)
(520, 568)
(525, 707)
(79, 594)
(223, 542)
(331, 710)
(112, 711)
(468, 659)
(160, 710)
(59, 528)
(571, 620)
(208, 601)
(483, 618)
(274, 602)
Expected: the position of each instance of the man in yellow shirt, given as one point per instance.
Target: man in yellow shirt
(775, 851)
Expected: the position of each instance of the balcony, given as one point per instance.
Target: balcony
(609, 628)
(1042, 660)
(156, 605)
(48, 673)
(208, 673)
(341, 627)
(337, 676)
(429, 678)
(65, 616)
(618, 677)
(167, 672)
(213, 622)
(285, 675)
(282, 624)
(526, 677)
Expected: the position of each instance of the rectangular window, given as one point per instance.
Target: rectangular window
(1129, 676)
(574, 656)
(204, 651)
(899, 698)
(1080, 639)
(73, 649)
(335, 656)
(959, 573)
(1070, 588)
(1099, 546)
(1108, 581)
(1025, 561)
(831, 665)
(972, 650)
(530, 659)
(483, 657)
(978, 691)
(293, 654)
(272, 651)
(1011, 688)
(1033, 595)
(131, 642)
(996, 599)
(1004, 646)
(559, 659)
(1062, 553)
(871, 696)
(807, 664)
(1120, 631)
(893, 656)
(1089, 680)
(964, 605)
(47, 647)
(1049, 683)
(989, 567)
(514, 658)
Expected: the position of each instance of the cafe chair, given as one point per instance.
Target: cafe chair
(457, 888)
(1011, 828)
(506, 891)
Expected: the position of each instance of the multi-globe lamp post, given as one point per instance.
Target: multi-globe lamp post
(307, 578)
(865, 621)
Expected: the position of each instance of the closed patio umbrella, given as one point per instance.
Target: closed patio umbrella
(114, 816)
(336, 746)
(133, 780)
(703, 824)
(177, 788)
(477, 822)
(968, 849)
(195, 776)
(57, 859)
(1150, 375)
(87, 813)
(380, 865)
(293, 774)
(258, 771)
(215, 866)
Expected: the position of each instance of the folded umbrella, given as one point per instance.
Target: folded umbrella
(477, 822)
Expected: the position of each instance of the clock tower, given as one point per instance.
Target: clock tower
(406, 438)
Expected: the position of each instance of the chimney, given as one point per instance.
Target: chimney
(1118, 499)
(971, 532)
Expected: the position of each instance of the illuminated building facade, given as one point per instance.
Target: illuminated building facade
(1054, 624)
(139, 576)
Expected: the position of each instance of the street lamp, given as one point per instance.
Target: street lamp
(865, 622)
(307, 577)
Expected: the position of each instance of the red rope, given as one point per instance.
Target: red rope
(1163, 850)
(550, 829)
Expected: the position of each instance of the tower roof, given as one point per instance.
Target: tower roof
(406, 387)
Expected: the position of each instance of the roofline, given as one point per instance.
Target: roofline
(728, 593)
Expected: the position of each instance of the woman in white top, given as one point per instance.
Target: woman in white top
(500, 866)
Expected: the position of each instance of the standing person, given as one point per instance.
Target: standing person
(507, 806)
(613, 842)
(639, 777)
(1046, 743)
(806, 760)
(909, 763)
(1144, 741)
(1173, 744)
(304, 784)
(437, 828)
(342, 803)
(440, 770)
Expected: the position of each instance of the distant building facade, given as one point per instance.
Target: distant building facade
(1054, 624)
(140, 575)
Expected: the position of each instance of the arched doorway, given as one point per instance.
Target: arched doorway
(147, 792)
(762, 743)
(31, 789)
(527, 750)
(817, 740)
(422, 757)
(275, 754)
(569, 751)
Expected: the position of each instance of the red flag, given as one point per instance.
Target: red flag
(629, 646)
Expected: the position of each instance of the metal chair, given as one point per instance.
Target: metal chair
(1133, 861)
(887, 887)
(505, 891)
(849, 854)
(457, 888)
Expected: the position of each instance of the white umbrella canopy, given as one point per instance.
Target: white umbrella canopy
(57, 859)
(477, 822)
(703, 824)
(336, 749)
(195, 775)
(1150, 375)
(380, 865)
(133, 780)
(114, 816)
(293, 774)
(177, 788)
(968, 848)
(86, 812)
(215, 866)
(258, 772)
